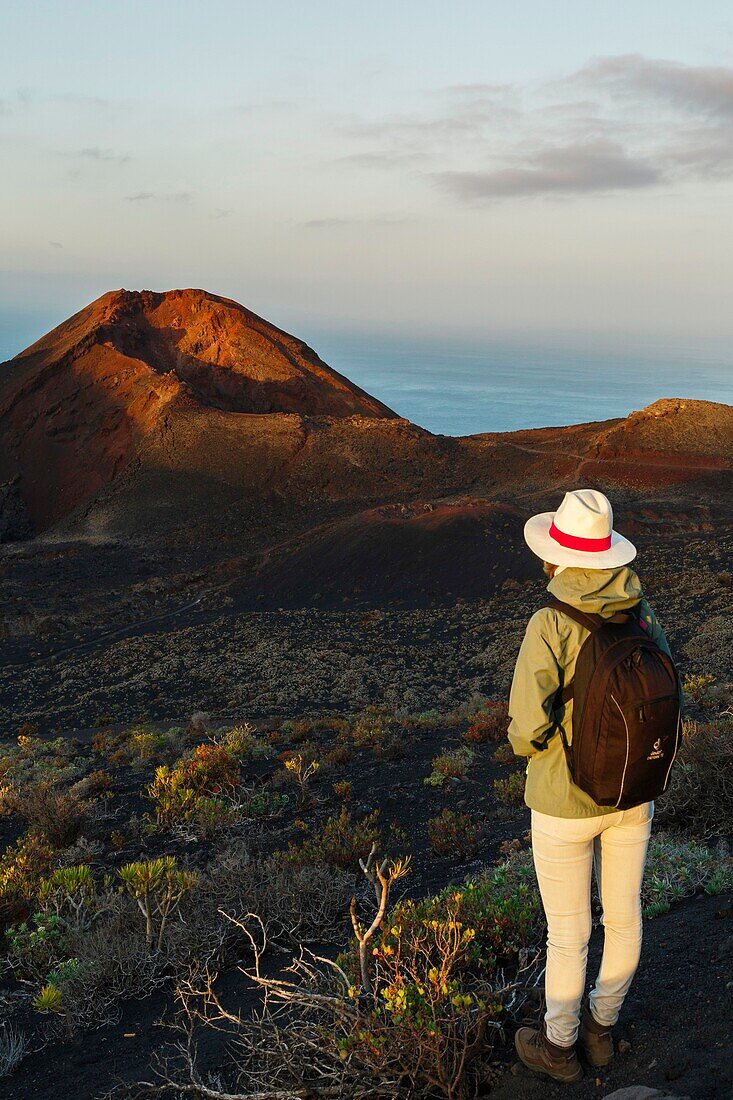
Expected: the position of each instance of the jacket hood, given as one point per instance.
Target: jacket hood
(599, 591)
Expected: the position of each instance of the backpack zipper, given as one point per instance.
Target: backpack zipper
(676, 749)
(628, 747)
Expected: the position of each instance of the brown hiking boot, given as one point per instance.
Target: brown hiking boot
(541, 1056)
(595, 1039)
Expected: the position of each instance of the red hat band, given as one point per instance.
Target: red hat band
(575, 542)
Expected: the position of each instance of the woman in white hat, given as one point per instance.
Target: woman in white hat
(587, 562)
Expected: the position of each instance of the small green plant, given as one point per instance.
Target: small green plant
(158, 887)
(371, 726)
(49, 999)
(455, 834)
(262, 803)
(146, 744)
(452, 764)
(510, 790)
(343, 789)
(243, 743)
(36, 946)
(212, 814)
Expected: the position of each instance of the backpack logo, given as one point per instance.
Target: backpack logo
(657, 752)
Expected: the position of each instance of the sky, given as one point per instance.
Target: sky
(466, 170)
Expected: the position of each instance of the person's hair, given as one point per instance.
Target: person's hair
(549, 568)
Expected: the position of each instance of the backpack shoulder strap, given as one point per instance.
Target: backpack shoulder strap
(589, 621)
(585, 619)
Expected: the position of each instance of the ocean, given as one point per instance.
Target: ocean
(503, 386)
(457, 388)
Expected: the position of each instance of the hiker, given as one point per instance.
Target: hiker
(587, 563)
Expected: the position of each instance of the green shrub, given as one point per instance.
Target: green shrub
(24, 863)
(340, 841)
(158, 887)
(504, 753)
(371, 727)
(207, 772)
(243, 743)
(511, 789)
(146, 744)
(36, 946)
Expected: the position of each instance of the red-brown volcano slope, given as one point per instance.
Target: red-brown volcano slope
(76, 405)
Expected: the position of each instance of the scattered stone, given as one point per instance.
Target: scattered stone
(624, 1046)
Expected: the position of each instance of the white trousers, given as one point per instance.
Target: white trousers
(564, 849)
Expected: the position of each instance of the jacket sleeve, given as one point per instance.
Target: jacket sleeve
(652, 625)
(657, 635)
(535, 682)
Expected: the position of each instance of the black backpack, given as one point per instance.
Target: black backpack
(627, 724)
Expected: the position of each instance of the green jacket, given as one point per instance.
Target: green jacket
(551, 642)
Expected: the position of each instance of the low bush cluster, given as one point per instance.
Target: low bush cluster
(678, 868)
(700, 794)
(203, 788)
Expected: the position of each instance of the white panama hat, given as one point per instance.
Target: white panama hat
(580, 533)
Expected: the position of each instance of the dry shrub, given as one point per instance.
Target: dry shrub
(305, 902)
(489, 724)
(455, 834)
(420, 1022)
(60, 816)
(13, 1047)
(700, 795)
(114, 963)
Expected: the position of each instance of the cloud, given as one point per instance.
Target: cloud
(594, 166)
(691, 104)
(382, 159)
(219, 213)
(619, 123)
(55, 244)
(94, 152)
(334, 223)
(464, 113)
(155, 196)
(693, 88)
